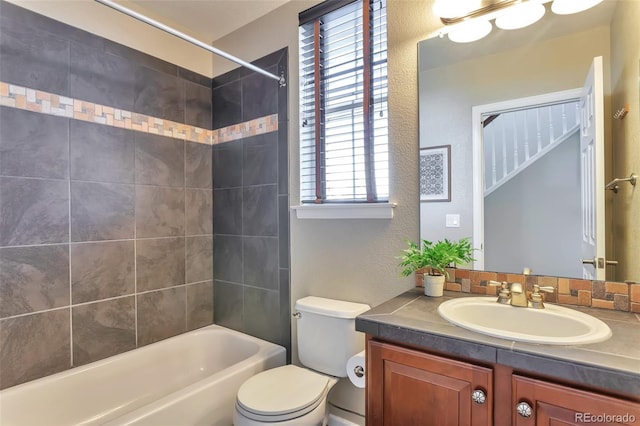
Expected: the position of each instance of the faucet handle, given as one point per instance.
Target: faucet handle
(505, 292)
(547, 289)
(504, 285)
(536, 297)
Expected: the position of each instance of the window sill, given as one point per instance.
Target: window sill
(345, 211)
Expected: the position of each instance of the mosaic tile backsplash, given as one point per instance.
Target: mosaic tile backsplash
(569, 291)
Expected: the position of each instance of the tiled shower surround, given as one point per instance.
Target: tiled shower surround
(106, 229)
(105, 232)
(251, 209)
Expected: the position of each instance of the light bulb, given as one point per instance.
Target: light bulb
(470, 31)
(521, 15)
(567, 7)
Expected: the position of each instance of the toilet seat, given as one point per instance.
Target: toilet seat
(282, 393)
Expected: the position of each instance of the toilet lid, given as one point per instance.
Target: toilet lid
(282, 390)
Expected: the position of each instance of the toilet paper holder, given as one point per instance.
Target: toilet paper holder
(358, 371)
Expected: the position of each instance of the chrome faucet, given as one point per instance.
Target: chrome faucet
(515, 295)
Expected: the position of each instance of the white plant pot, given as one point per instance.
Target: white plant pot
(433, 285)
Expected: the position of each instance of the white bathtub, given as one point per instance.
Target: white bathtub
(190, 379)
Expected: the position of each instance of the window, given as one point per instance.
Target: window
(343, 103)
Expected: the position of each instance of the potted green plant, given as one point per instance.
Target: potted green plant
(437, 257)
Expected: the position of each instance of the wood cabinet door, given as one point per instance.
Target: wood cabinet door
(407, 387)
(553, 404)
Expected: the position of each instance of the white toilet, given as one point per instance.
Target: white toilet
(293, 395)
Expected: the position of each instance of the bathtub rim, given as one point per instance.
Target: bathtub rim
(113, 358)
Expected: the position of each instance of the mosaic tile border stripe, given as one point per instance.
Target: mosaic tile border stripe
(569, 291)
(25, 98)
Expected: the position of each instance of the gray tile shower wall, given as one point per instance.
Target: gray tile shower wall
(251, 208)
(106, 234)
(71, 62)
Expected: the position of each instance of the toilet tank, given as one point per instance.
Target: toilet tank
(327, 336)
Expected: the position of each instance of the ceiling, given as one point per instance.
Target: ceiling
(207, 20)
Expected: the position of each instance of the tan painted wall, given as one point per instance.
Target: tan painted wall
(113, 25)
(350, 259)
(625, 79)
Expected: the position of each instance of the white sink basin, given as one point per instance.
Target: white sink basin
(553, 325)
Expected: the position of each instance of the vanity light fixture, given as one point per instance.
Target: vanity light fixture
(470, 20)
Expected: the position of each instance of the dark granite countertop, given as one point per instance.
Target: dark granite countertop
(614, 364)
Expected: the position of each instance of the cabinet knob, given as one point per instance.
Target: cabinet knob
(524, 409)
(478, 396)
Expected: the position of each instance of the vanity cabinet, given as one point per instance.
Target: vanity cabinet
(408, 387)
(411, 387)
(540, 403)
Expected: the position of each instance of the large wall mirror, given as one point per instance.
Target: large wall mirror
(512, 110)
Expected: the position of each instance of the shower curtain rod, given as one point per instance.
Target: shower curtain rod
(190, 39)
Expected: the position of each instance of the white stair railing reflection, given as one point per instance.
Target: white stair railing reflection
(516, 139)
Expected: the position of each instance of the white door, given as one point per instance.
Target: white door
(592, 169)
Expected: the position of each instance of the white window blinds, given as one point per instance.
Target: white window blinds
(343, 104)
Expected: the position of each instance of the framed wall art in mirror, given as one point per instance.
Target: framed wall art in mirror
(435, 173)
